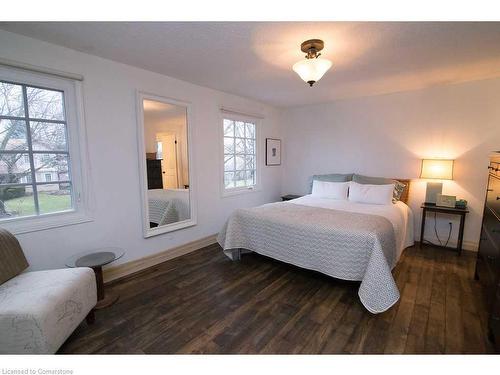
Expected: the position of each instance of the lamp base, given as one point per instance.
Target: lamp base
(432, 190)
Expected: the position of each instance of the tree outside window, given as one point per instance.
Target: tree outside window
(33, 149)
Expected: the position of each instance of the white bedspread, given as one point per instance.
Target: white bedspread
(399, 214)
(346, 240)
(168, 205)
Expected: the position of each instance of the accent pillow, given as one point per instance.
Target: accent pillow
(398, 186)
(12, 259)
(330, 190)
(372, 194)
(332, 177)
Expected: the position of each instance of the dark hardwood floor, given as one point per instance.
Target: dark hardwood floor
(204, 303)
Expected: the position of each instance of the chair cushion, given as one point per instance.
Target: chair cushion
(39, 310)
(12, 259)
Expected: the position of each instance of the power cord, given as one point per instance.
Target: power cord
(437, 236)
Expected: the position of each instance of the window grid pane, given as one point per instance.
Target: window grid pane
(239, 154)
(44, 103)
(13, 167)
(35, 154)
(16, 201)
(13, 135)
(47, 136)
(11, 100)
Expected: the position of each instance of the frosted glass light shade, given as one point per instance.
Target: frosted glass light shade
(440, 169)
(311, 70)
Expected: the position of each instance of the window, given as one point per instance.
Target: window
(240, 156)
(159, 150)
(40, 165)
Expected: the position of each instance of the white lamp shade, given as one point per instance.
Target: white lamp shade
(311, 70)
(440, 169)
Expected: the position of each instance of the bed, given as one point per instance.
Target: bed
(168, 206)
(342, 239)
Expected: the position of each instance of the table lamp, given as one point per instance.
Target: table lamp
(438, 169)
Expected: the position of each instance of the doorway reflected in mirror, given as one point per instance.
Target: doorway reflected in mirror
(167, 162)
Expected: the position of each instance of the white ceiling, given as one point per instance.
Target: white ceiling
(155, 111)
(254, 59)
(156, 108)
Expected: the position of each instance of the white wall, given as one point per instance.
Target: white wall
(154, 124)
(383, 135)
(388, 135)
(110, 111)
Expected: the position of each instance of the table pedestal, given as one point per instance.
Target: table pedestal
(102, 300)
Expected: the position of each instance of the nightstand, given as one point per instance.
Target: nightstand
(445, 210)
(289, 197)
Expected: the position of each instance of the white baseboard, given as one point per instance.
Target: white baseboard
(466, 245)
(469, 245)
(125, 269)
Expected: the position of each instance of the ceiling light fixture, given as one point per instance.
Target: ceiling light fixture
(312, 68)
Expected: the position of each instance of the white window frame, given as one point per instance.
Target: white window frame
(258, 181)
(77, 146)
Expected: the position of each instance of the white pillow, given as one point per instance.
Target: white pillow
(373, 194)
(331, 190)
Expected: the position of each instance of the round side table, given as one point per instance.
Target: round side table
(96, 259)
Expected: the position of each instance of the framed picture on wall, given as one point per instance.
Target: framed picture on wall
(273, 151)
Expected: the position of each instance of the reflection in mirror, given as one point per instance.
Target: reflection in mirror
(167, 169)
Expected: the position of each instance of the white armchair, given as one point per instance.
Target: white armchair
(39, 310)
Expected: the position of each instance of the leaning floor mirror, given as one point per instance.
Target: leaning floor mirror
(164, 137)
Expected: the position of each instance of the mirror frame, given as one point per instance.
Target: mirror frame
(147, 231)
